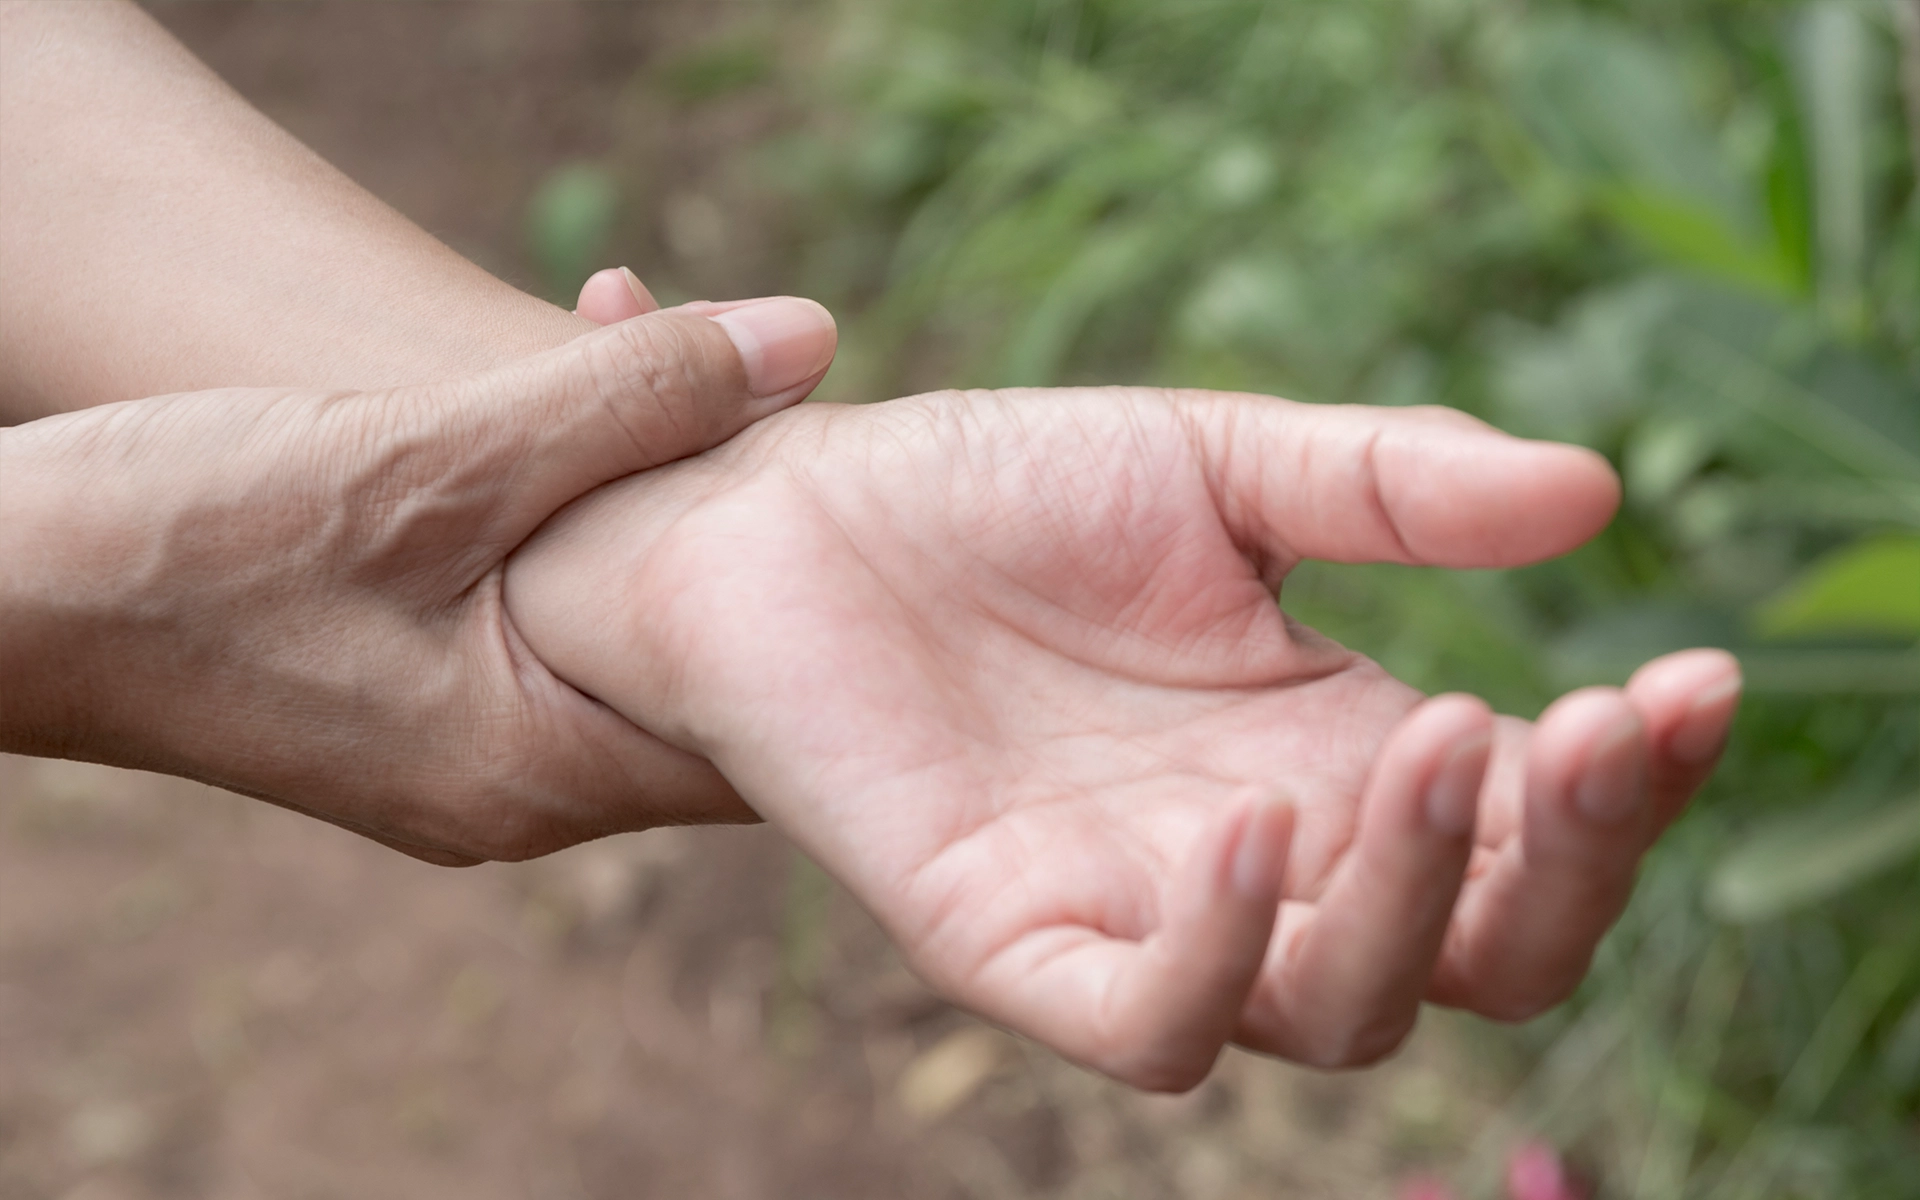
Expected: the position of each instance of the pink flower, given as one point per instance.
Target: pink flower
(1535, 1172)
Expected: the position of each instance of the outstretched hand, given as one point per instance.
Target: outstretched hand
(1010, 665)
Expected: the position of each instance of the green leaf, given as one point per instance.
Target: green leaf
(1869, 588)
(1835, 69)
(1698, 236)
(569, 223)
(1802, 860)
(1611, 106)
(1789, 191)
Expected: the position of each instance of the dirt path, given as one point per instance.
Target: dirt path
(201, 996)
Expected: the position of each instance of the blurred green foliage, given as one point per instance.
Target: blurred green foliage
(1871, 587)
(570, 220)
(740, 59)
(1683, 232)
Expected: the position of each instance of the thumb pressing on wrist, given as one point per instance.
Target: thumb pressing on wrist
(644, 391)
(769, 355)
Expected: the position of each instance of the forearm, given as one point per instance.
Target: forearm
(36, 644)
(157, 235)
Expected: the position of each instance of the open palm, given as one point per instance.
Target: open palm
(1009, 664)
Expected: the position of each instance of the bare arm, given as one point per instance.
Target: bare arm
(157, 234)
(290, 585)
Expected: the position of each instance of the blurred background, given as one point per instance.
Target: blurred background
(1684, 232)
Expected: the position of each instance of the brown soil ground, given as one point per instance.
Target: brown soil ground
(201, 996)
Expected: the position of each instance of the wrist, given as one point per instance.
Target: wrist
(87, 612)
(41, 707)
(594, 600)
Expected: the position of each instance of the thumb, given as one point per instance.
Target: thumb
(539, 433)
(1428, 486)
(615, 294)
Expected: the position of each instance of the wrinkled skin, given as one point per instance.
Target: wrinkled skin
(296, 594)
(1010, 666)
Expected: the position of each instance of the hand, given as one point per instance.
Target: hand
(297, 594)
(1010, 666)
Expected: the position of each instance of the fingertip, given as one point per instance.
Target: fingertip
(1564, 496)
(614, 294)
(1613, 785)
(1452, 800)
(785, 344)
(1564, 734)
(1689, 700)
(1433, 765)
(1579, 714)
(1592, 745)
(1260, 836)
(1590, 477)
(1455, 715)
(1481, 498)
(1684, 672)
(1702, 732)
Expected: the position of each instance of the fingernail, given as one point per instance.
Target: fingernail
(1256, 863)
(1453, 798)
(1703, 731)
(783, 341)
(1614, 782)
(639, 290)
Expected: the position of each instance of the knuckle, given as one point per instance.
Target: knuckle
(660, 381)
(1446, 414)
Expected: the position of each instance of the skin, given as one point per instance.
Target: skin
(226, 582)
(159, 235)
(295, 594)
(1009, 664)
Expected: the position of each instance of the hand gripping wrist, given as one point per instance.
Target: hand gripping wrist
(298, 595)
